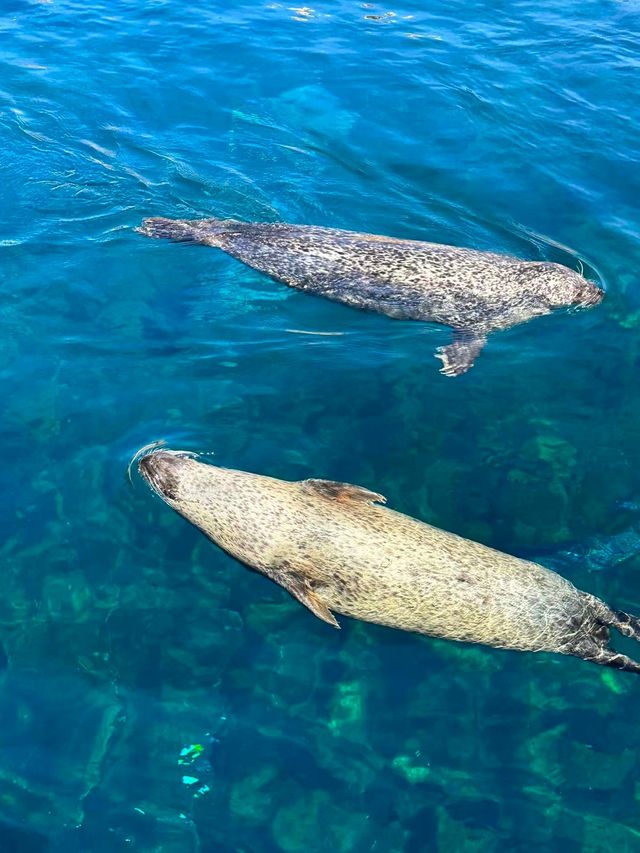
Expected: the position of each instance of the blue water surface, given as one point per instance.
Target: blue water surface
(156, 696)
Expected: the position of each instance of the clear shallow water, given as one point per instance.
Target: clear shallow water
(127, 639)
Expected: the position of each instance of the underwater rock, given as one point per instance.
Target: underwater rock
(67, 597)
(602, 553)
(53, 750)
(296, 825)
(313, 107)
(589, 768)
(542, 751)
(160, 767)
(459, 835)
(23, 839)
(265, 617)
(251, 798)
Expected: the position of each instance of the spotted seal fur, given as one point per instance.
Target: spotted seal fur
(335, 550)
(473, 292)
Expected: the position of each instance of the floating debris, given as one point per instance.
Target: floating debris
(189, 754)
(382, 17)
(202, 790)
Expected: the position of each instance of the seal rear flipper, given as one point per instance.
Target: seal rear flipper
(335, 490)
(300, 588)
(460, 355)
(596, 649)
(610, 658)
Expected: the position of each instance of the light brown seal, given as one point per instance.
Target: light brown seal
(473, 292)
(334, 550)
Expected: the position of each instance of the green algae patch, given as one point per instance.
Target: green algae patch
(613, 682)
(410, 769)
(347, 707)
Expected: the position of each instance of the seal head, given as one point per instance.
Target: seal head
(160, 469)
(561, 287)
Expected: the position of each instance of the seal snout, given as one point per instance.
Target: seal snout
(160, 469)
(589, 294)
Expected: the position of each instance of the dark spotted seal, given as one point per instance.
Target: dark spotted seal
(334, 550)
(473, 292)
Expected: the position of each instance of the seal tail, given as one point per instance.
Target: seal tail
(183, 230)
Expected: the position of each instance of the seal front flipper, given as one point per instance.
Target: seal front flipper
(300, 587)
(460, 355)
(342, 491)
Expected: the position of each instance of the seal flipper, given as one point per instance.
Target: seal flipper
(300, 588)
(460, 355)
(335, 490)
(608, 657)
(596, 649)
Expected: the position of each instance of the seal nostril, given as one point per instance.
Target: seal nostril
(150, 473)
(144, 465)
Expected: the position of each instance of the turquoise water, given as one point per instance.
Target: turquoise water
(155, 695)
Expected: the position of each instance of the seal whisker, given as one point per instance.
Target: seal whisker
(145, 450)
(155, 447)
